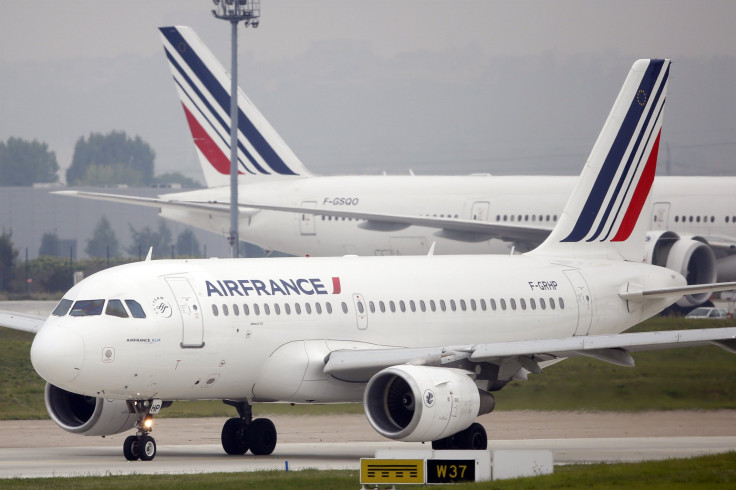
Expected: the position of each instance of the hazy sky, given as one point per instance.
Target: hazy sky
(364, 86)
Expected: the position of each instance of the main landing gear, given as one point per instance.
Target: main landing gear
(474, 437)
(142, 446)
(239, 434)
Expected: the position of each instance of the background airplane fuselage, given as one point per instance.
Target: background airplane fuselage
(703, 206)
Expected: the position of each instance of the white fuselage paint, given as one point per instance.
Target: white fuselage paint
(504, 199)
(280, 356)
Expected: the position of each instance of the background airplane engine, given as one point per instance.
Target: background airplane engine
(691, 256)
(420, 403)
(87, 415)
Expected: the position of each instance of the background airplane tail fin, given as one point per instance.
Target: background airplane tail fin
(203, 86)
(606, 215)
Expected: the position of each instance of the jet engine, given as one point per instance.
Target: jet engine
(691, 256)
(87, 415)
(422, 403)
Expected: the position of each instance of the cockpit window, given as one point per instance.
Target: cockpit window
(115, 308)
(88, 307)
(63, 307)
(135, 308)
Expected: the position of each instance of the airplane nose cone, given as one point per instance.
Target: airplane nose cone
(57, 355)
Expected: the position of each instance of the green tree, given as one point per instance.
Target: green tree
(23, 163)
(8, 254)
(111, 158)
(103, 243)
(143, 240)
(49, 245)
(187, 244)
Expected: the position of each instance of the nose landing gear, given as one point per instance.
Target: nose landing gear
(142, 446)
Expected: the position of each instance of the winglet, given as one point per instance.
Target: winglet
(602, 216)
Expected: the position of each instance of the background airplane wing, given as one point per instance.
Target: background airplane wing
(532, 355)
(19, 321)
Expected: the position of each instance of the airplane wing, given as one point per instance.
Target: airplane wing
(452, 228)
(360, 365)
(455, 229)
(153, 202)
(636, 294)
(19, 321)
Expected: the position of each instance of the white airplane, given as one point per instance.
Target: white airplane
(422, 341)
(690, 233)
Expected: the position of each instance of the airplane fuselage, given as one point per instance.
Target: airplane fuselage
(260, 330)
(536, 201)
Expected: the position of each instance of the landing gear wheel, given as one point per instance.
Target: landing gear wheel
(234, 440)
(147, 448)
(131, 448)
(474, 437)
(261, 435)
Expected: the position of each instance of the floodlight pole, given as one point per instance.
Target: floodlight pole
(235, 11)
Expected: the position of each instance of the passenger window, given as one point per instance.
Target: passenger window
(533, 303)
(277, 309)
(88, 307)
(542, 303)
(345, 307)
(422, 305)
(382, 307)
(503, 304)
(287, 308)
(135, 308)
(472, 304)
(246, 310)
(392, 305)
(483, 304)
(298, 308)
(236, 310)
(266, 309)
(561, 302)
(551, 303)
(308, 308)
(442, 305)
(522, 303)
(493, 304)
(371, 306)
(328, 306)
(361, 308)
(412, 305)
(402, 306)
(225, 310)
(63, 307)
(256, 309)
(115, 308)
(432, 306)
(453, 307)
(513, 303)
(214, 310)
(318, 308)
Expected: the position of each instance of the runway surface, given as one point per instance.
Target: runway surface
(40, 449)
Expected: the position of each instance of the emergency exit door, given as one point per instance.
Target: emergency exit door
(192, 325)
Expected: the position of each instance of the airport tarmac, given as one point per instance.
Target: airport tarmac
(37, 448)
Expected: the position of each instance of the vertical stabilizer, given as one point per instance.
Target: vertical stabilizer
(203, 86)
(602, 216)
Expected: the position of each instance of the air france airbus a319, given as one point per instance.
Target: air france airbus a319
(421, 341)
(284, 207)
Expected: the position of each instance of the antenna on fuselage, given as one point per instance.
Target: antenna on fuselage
(431, 249)
(150, 253)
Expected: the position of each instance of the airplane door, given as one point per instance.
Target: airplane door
(584, 303)
(479, 211)
(191, 314)
(660, 214)
(306, 220)
(361, 312)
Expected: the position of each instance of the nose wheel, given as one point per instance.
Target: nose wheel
(142, 446)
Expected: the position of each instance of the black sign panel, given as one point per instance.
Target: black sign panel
(450, 470)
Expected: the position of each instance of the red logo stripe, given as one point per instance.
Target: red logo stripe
(209, 149)
(640, 195)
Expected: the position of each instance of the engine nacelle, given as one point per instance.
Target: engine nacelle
(422, 403)
(691, 256)
(87, 415)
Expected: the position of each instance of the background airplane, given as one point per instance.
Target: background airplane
(284, 207)
(421, 341)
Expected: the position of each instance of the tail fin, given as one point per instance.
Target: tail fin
(601, 218)
(203, 85)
